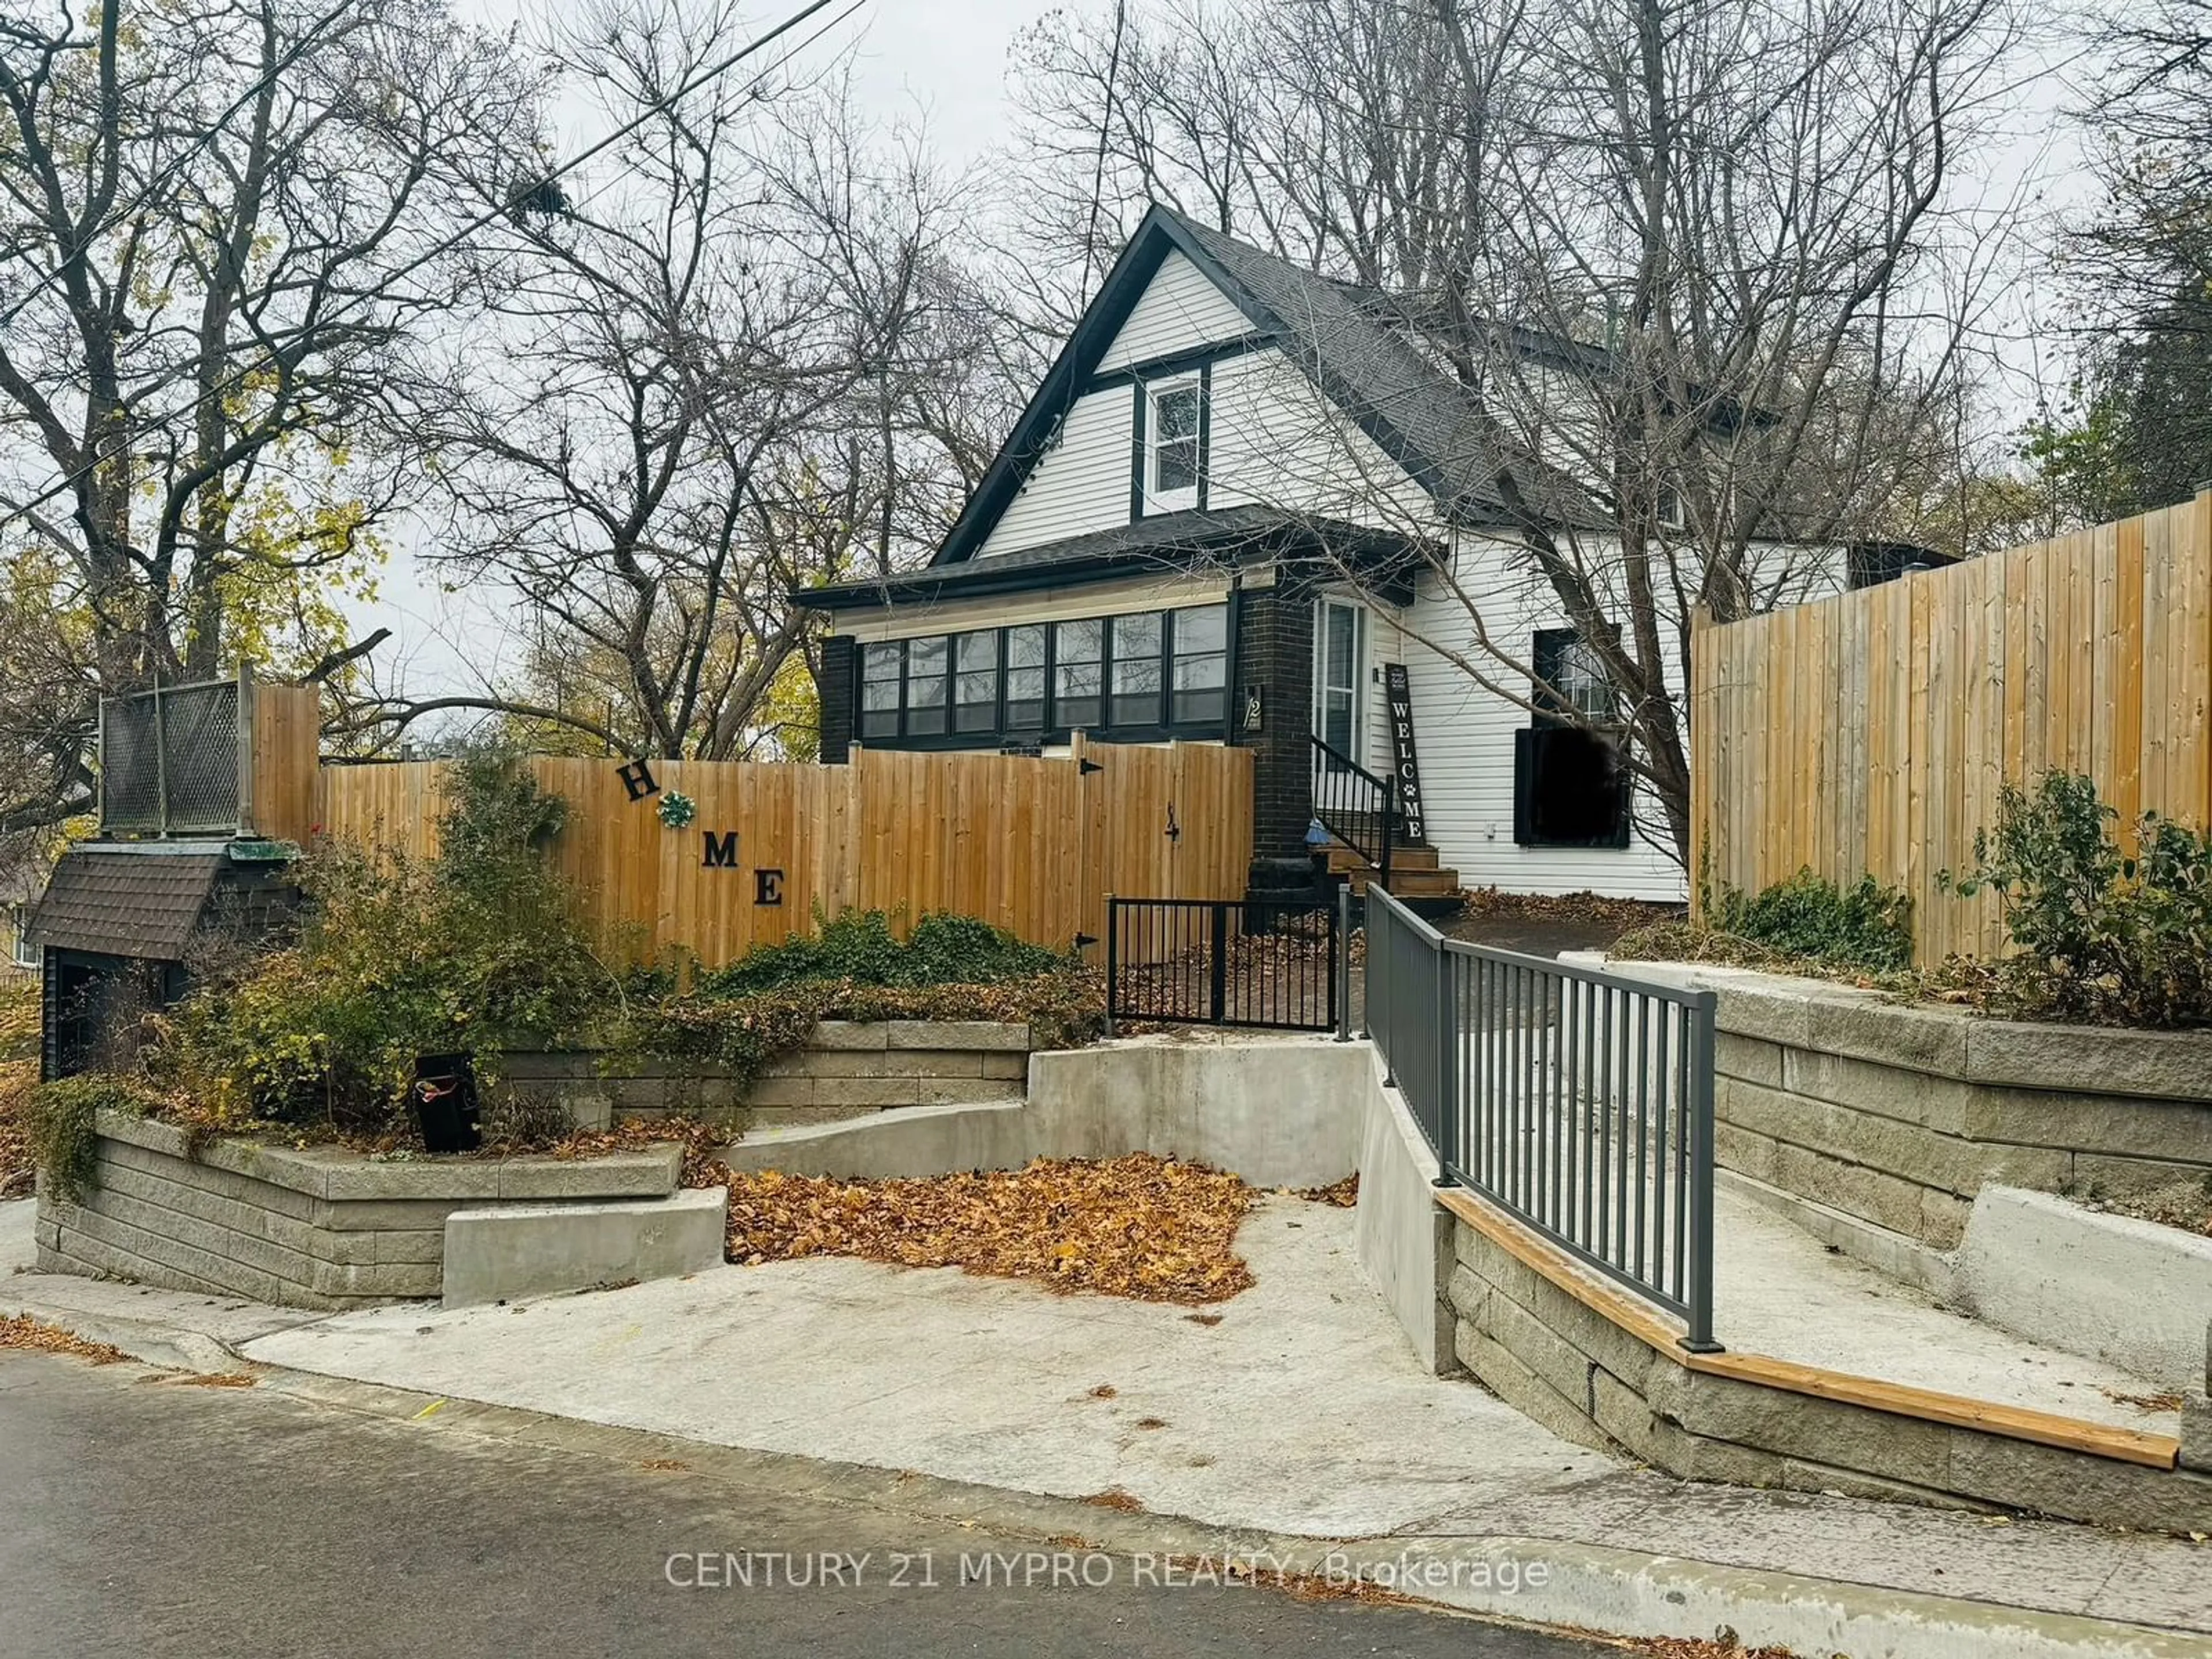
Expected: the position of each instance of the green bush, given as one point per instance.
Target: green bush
(1865, 926)
(2099, 935)
(858, 948)
(1064, 1008)
(61, 1119)
(476, 950)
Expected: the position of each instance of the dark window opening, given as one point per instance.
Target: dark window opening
(1572, 685)
(925, 691)
(1078, 656)
(976, 691)
(1201, 691)
(1174, 441)
(1137, 645)
(1025, 673)
(881, 667)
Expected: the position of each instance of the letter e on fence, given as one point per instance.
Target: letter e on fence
(767, 887)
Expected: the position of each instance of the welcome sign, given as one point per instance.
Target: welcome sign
(1405, 763)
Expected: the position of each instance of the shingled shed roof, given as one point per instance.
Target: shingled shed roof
(125, 904)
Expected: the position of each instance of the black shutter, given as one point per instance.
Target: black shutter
(1570, 788)
(838, 694)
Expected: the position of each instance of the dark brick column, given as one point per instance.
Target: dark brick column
(1274, 652)
(834, 689)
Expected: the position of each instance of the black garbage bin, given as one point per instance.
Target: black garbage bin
(444, 1095)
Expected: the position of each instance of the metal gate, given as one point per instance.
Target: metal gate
(1272, 964)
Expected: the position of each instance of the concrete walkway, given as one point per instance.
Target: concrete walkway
(1299, 1411)
(1780, 1291)
(1296, 1408)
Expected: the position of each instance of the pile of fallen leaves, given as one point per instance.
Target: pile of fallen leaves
(1593, 909)
(21, 1331)
(1137, 1227)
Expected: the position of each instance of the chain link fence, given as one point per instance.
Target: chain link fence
(170, 760)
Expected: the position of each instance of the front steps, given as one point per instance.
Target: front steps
(1416, 878)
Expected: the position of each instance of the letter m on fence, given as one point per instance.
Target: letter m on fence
(722, 852)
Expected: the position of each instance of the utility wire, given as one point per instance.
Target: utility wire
(712, 72)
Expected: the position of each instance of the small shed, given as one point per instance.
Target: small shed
(201, 788)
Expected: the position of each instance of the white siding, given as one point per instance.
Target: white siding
(1081, 484)
(1181, 309)
(1464, 735)
(1278, 441)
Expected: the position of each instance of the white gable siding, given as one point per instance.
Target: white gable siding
(1464, 737)
(1081, 484)
(1181, 309)
(1278, 441)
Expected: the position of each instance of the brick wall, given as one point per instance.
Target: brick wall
(1274, 652)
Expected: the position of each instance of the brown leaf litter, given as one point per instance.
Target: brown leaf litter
(1139, 1226)
(21, 1331)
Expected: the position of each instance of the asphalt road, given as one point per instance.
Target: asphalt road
(145, 1516)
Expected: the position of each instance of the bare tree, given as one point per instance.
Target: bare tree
(1704, 274)
(213, 225)
(732, 365)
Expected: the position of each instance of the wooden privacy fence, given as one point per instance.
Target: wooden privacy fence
(1031, 845)
(1870, 733)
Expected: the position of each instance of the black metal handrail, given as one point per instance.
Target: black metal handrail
(1356, 807)
(1578, 1100)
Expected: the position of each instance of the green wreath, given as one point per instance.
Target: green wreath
(676, 809)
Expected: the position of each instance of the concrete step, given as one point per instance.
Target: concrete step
(1343, 861)
(1411, 884)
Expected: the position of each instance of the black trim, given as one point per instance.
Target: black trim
(1139, 398)
(1205, 431)
(1182, 363)
(1186, 539)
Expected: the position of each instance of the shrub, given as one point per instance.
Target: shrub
(1865, 926)
(62, 1123)
(858, 948)
(1064, 1008)
(2100, 936)
(476, 950)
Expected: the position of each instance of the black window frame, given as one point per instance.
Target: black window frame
(1177, 656)
(1555, 737)
(942, 727)
(1547, 656)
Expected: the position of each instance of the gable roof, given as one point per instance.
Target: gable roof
(1341, 335)
(125, 904)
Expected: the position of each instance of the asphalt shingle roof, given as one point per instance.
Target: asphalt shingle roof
(125, 904)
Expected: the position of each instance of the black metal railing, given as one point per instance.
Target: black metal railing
(1356, 807)
(1256, 962)
(1579, 1102)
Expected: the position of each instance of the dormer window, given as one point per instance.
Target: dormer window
(1173, 440)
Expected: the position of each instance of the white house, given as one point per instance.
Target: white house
(1244, 495)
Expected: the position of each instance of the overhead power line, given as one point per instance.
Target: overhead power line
(712, 72)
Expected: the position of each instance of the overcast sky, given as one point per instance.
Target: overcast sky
(943, 61)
